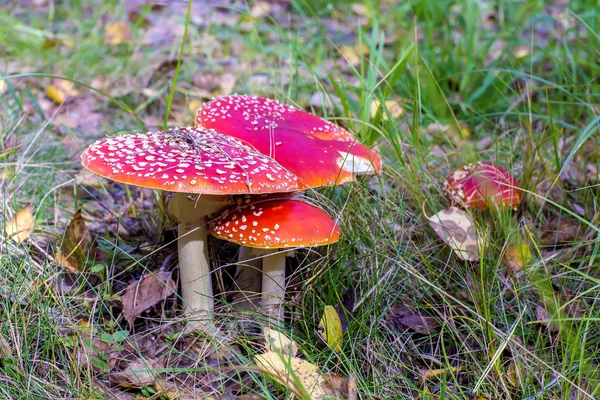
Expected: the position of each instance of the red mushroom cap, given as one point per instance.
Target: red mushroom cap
(275, 223)
(191, 160)
(481, 185)
(319, 152)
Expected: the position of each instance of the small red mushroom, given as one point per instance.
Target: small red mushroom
(482, 185)
(275, 224)
(319, 152)
(189, 161)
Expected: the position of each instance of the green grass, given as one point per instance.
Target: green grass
(521, 76)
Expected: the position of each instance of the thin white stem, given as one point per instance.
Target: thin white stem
(248, 280)
(273, 285)
(194, 269)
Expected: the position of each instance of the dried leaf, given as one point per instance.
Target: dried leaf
(330, 328)
(76, 245)
(342, 387)
(19, 227)
(137, 374)
(60, 90)
(116, 33)
(395, 109)
(299, 376)
(457, 229)
(150, 290)
(280, 343)
(560, 230)
(544, 317)
(419, 323)
(426, 374)
(517, 257)
(55, 94)
(5, 348)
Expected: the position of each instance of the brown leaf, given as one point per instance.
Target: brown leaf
(542, 315)
(560, 230)
(137, 374)
(342, 387)
(116, 33)
(76, 245)
(419, 323)
(457, 229)
(150, 290)
(19, 227)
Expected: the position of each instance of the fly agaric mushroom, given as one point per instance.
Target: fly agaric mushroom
(319, 152)
(274, 224)
(189, 161)
(482, 185)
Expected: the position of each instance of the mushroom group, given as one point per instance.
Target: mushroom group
(240, 145)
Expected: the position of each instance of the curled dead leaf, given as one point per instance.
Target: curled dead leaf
(279, 343)
(136, 374)
(456, 227)
(77, 244)
(150, 290)
(19, 227)
(116, 33)
(560, 230)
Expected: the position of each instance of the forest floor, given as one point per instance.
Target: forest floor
(433, 86)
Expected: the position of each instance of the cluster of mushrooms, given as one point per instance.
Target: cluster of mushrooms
(240, 145)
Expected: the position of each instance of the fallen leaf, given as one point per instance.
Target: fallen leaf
(5, 348)
(513, 374)
(301, 377)
(55, 94)
(194, 105)
(280, 343)
(150, 290)
(457, 229)
(517, 257)
(330, 328)
(137, 374)
(394, 109)
(76, 245)
(419, 323)
(343, 387)
(544, 317)
(560, 230)
(426, 374)
(61, 90)
(3, 86)
(351, 55)
(116, 33)
(19, 227)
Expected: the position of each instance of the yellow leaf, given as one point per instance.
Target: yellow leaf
(3, 86)
(55, 94)
(194, 106)
(280, 343)
(433, 373)
(457, 229)
(77, 243)
(116, 33)
(395, 109)
(301, 377)
(517, 257)
(350, 54)
(19, 227)
(330, 328)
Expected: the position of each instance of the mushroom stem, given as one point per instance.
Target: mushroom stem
(248, 281)
(194, 269)
(273, 285)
